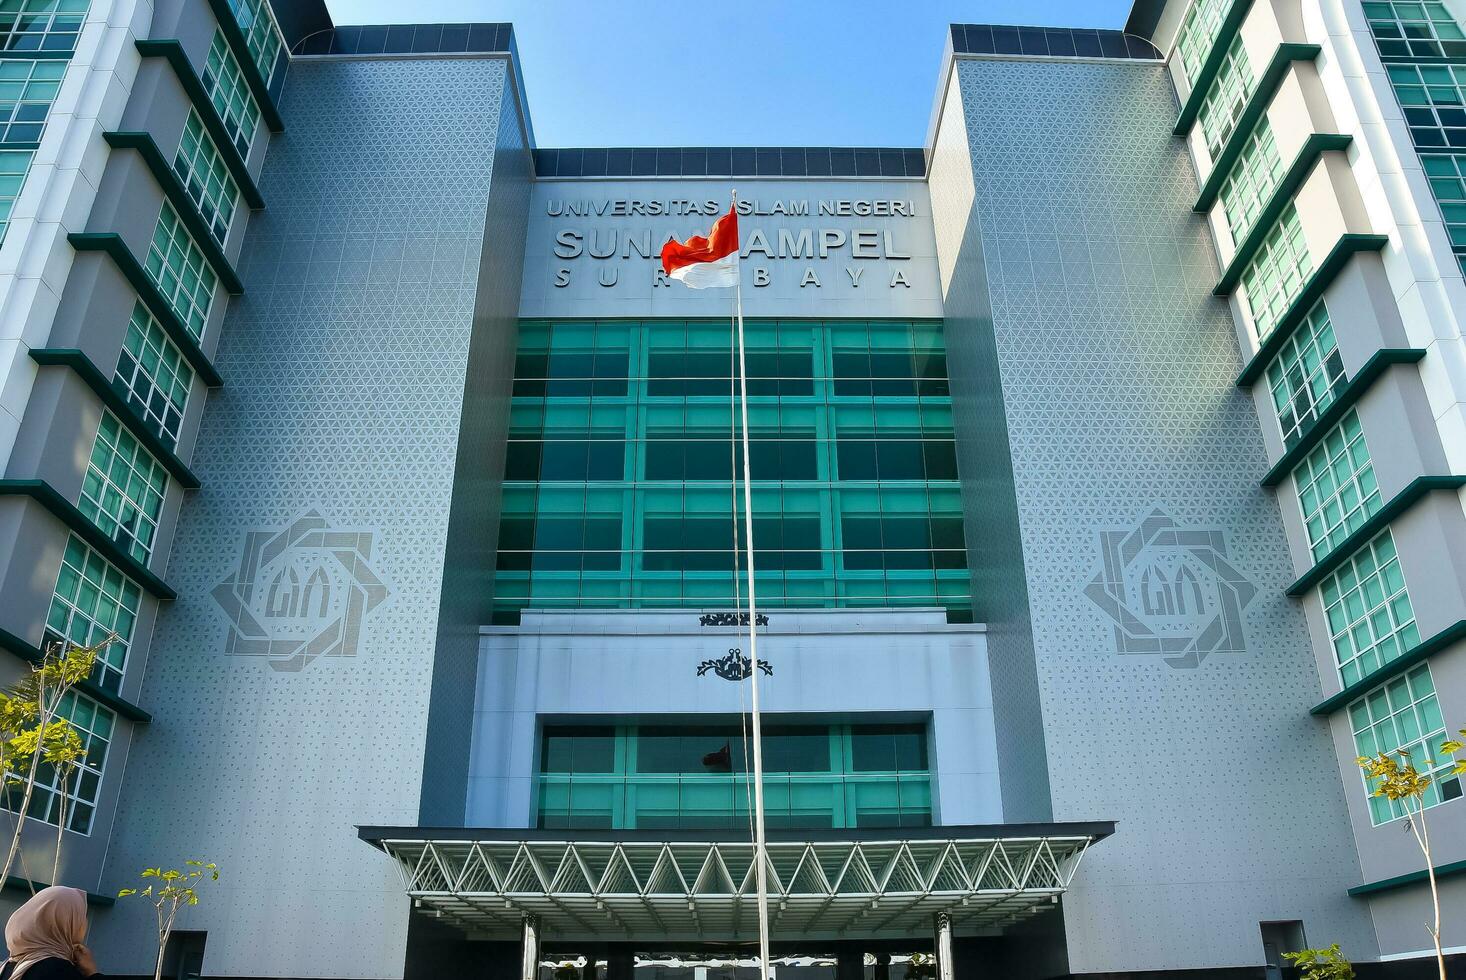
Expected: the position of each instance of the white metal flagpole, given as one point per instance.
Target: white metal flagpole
(759, 841)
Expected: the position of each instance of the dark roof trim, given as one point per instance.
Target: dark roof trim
(1415, 491)
(1144, 18)
(299, 18)
(32, 654)
(1423, 650)
(367, 40)
(1353, 390)
(172, 52)
(67, 513)
(111, 244)
(1051, 42)
(1413, 878)
(16, 884)
(229, 27)
(1312, 291)
(1096, 829)
(731, 161)
(187, 210)
(89, 373)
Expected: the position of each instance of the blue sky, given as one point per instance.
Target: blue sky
(738, 72)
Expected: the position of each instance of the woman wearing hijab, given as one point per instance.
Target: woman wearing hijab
(45, 937)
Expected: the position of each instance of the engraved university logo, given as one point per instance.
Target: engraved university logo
(300, 593)
(1171, 591)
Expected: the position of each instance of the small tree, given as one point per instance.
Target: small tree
(169, 892)
(1396, 779)
(1452, 747)
(32, 733)
(1321, 964)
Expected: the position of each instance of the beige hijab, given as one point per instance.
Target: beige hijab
(52, 923)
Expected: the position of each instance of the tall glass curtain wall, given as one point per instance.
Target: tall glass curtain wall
(1423, 48)
(619, 487)
(697, 778)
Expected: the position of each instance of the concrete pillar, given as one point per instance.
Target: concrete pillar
(849, 965)
(620, 966)
(529, 964)
(883, 966)
(946, 970)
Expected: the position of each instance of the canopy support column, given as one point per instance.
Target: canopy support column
(946, 969)
(883, 966)
(530, 946)
(850, 965)
(620, 965)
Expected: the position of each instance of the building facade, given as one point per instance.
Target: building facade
(1107, 457)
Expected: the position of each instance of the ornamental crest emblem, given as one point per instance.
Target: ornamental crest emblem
(1171, 591)
(734, 666)
(299, 593)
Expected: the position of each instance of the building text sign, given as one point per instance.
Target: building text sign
(808, 248)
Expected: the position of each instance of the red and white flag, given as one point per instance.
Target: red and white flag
(705, 263)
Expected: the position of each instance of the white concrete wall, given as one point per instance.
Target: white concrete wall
(57, 196)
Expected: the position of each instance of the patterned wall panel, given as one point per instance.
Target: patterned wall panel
(1174, 676)
(290, 681)
(985, 465)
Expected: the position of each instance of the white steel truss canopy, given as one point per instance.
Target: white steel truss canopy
(609, 885)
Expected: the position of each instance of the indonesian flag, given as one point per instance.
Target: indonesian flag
(705, 263)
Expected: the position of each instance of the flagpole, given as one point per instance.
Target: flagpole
(760, 844)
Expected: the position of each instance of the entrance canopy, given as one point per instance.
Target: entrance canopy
(690, 885)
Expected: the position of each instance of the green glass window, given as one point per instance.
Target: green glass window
(556, 460)
(1336, 486)
(880, 373)
(897, 542)
(630, 419)
(180, 271)
(570, 373)
(230, 95)
(1252, 180)
(570, 543)
(679, 373)
(695, 456)
(665, 777)
(27, 89)
(1198, 30)
(94, 725)
(153, 375)
(122, 492)
(1222, 106)
(1415, 29)
(1277, 274)
(688, 544)
(91, 600)
(1447, 175)
(41, 25)
(863, 456)
(1432, 97)
(1403, 715)
(205, 177)
(1307, 374)
(1368, 610)
(261, 34)
(14, 164)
